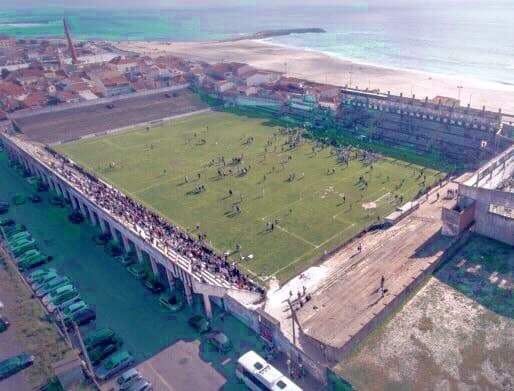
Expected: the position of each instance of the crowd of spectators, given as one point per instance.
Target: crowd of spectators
(152, 227)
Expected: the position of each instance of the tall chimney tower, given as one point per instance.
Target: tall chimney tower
(74, 59)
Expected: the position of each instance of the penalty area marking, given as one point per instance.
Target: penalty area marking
(308, 252)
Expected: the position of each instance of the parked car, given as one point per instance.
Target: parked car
(4, 323)
(125, 260)
(51, 297)
(103, 350)
(141, 385)
(98, 336)
(4, 207)
(13, 228)
(72, 309)
(15, 238)
(220, 342)
(113, 364)
(41, 279)
(34, 262)
(29, 254)
(172, 301)
(153, 285)
(128, 378)
(52, 285)
(40, 273)
(64, 301)
(15, 364)
(35, 198)
(137, 271)
(6, 222)
(199, 324)
(23, 246)
(81, 317)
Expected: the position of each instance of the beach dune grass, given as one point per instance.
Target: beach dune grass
(320, 208)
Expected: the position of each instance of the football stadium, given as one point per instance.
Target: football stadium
(270, 197)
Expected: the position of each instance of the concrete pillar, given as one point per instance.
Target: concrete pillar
(57, 188)
(73, 202)
(113, 232)
(189, 294)
(92, 217)
(153, 263)
(139, 254)
(68, 193)
(102, 225)
(126, 243)
(83, 209)
(171, 279)
(207, 306)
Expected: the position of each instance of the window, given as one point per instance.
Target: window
(281, 384)
(254, 380)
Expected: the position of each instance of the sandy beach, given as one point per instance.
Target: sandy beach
(320, 67)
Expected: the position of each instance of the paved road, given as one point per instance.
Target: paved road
(178, 367)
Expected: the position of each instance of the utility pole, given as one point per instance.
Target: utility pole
(60, 316)
(84, 350)
(294, 320)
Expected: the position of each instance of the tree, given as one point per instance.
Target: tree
(5, 73)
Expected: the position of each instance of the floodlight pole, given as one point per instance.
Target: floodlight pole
(293, 316)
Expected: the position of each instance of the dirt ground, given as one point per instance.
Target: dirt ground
(29, 332)
(456, 333)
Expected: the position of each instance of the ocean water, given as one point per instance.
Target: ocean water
(466, 39)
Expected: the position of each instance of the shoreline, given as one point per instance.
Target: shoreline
(322, 67)
(466, 79)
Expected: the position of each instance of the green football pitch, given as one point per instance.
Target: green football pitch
(322, 205)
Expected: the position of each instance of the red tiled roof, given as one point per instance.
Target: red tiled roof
(8, 88)
(115, 81)
(35, 100)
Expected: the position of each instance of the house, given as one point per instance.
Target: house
(124, 65)
(221, 86)
(220, 71)
(27, 76)
(329, 103)
(321, 91)
(35, 100)
(67, 97)
(247, 90)
(116, 86)
(291, 84)
(260, 77)
(7, 42)
(9, 89)
(87, 95)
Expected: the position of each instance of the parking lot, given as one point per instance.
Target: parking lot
(167, 349)
(178, 368)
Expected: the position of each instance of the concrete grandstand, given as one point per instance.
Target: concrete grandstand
(55, 126)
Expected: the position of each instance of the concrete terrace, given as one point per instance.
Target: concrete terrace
(65, 125)
(345, 301)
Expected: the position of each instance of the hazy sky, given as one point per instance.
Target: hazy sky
(211, 3)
